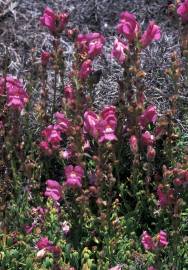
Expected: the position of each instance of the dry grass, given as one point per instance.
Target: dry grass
(20, 32)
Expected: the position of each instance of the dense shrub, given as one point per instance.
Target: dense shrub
(92, 189)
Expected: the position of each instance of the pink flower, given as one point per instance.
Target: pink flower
(52, 134)
(49, 19)
(95, 36)
(74, 175)
(63, 20)
(107, 124)
(44, 146)
(17, 97)
(152, 33)
(54, 22)
(151, 153)
(90, 123)
(183, 11)
(119, 51)
(128, 26)
(86, 69)
(166, 197)
(43, 243)
(62, 121)
(83, 39)
(148, 116)
(133, 144)
(148, 138)
(15, 102)
(162, 238)
(147, 241)
(106, 132)
(67, 153)
(109, 114)
(28, 229)
(53, 190)
(101, 127)
(45, 56)
(117, 267)
(92, 43)
(151, 268)
(69, 93)
(95, 46)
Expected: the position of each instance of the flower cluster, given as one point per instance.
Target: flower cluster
(52, 134)
(44, 246)
(52, 138)
(101, 127)
(152, 33)
(54, 22)
(150, 243)
(148, 116)
(17, 97)
(62, 122)
(119, 50)
(74, 176)
(89, 45)
(53, 190)
(129, 28)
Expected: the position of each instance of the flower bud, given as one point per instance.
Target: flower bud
(177, 182)
(151, 153)
(133, 144)
(45, 56)
(148, 138)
